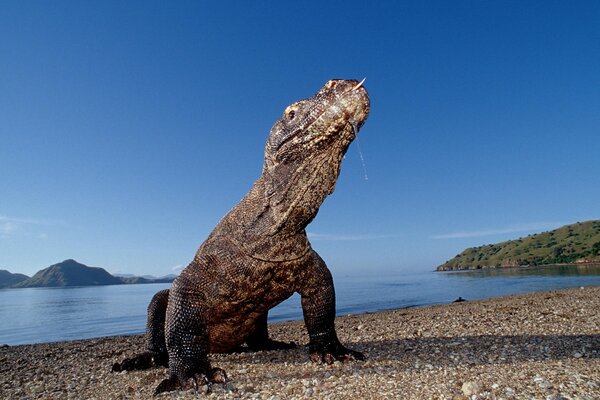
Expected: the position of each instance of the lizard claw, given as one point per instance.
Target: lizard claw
(218, 375)
(141, 361)
(329, 354)
(167, 385)
(174, 383)
(195, 382)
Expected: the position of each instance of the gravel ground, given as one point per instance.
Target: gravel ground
(536, 346)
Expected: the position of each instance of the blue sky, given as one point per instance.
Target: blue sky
(128, 129)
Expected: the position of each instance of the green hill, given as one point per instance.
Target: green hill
(8, 279)
(570, 244)
(70, 273)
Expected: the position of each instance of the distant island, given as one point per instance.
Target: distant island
(578, 243)
(72, 273)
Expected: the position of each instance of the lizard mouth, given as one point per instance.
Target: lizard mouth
(355, 104)
(359, 117)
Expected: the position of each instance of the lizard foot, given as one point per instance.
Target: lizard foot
(141, 361)
(195, 381)
(335, 351)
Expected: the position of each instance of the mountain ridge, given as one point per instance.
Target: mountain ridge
(71, 273)
(8, 279)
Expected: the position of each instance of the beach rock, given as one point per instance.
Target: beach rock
(556, 397)
(471, 388)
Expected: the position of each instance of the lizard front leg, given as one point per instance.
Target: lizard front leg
(187, 342)
(318, 307)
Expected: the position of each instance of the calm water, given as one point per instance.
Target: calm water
(55, 314)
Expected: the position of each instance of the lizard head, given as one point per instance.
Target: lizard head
(306, 146)
(325, 122)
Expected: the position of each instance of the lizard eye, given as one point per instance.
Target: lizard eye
(290, 112)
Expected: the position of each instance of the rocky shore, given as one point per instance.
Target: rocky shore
(536, 346)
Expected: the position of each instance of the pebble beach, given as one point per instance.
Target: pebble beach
(537, 346)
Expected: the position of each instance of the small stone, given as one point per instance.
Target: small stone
(545, 385)
(495, 386)
(470, 388)
(37, 389)
(556, 397)
(577, 354)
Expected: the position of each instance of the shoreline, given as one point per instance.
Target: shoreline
(538, 345)
(526, 266)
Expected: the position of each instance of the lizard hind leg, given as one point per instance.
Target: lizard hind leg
(259, 339)
(156, 348)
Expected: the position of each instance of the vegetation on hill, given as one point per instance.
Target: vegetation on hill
(72, 273)
(8, 279)
(570, 244)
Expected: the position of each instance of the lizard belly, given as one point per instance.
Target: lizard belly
(234, 319)
(238, 319)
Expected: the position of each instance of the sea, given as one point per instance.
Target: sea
(39, 315)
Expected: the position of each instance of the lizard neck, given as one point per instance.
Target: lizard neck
(262, 228)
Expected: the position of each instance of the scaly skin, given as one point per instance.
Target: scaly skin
(258, 255)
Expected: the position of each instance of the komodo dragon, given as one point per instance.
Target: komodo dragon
(259, 255)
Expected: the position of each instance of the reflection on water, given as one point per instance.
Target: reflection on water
(35, 315)
(552, 270)
(53, 314)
